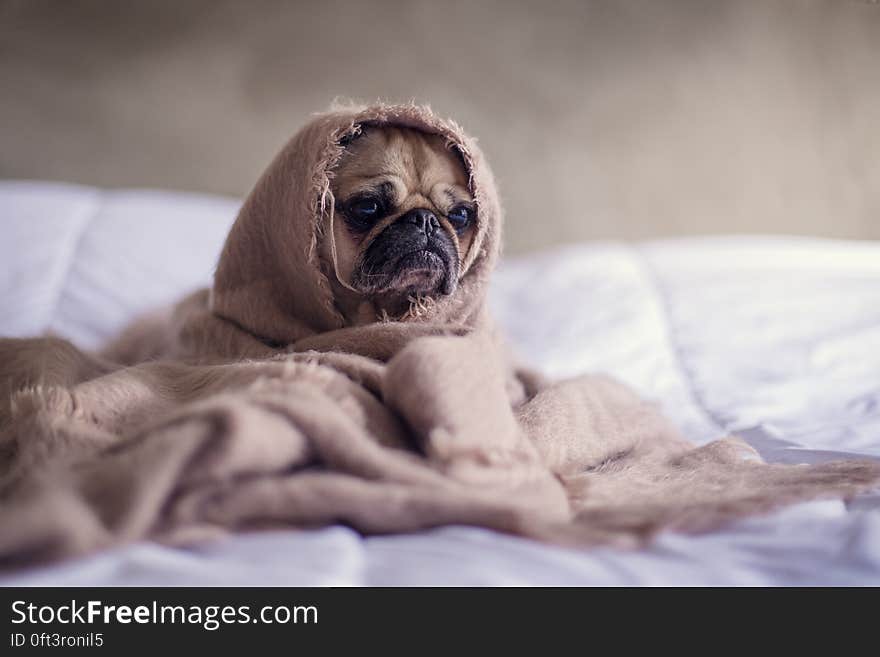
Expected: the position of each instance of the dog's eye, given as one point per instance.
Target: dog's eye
(363, 213)
(365, 209)
(460, 216)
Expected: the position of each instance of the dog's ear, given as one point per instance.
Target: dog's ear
(351, 136)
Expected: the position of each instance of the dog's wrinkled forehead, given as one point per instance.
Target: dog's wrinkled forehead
(412, 168)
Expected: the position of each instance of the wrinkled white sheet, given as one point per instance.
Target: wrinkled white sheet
(777, 339)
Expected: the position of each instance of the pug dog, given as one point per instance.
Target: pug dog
(403, 222)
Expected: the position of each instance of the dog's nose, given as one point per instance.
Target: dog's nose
(424, 219)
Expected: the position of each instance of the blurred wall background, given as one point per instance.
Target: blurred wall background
(625, 119)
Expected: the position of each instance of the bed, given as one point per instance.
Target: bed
(776, 339)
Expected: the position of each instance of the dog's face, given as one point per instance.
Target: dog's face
(404, 216)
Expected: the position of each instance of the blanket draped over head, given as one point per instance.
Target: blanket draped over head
(255, 405)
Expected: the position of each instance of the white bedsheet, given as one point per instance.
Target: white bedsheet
(777, 339)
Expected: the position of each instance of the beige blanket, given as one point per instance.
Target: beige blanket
(254, 405)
